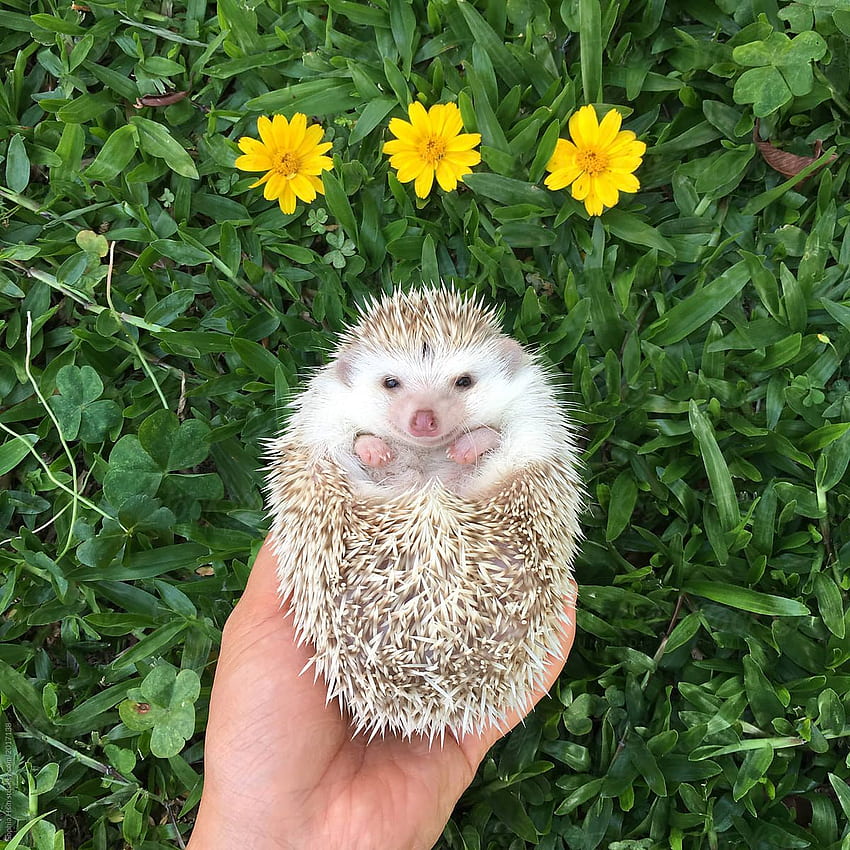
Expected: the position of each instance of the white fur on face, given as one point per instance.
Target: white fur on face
(511, 394)
(427, 381)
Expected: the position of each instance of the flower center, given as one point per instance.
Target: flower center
(434, 150)
(592, 162)
(287, 164)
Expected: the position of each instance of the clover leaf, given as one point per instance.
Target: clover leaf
(142, 513)
(138, 464)
(814, 14)
(779, 68)
(316, 219)
(123, 760)
(101, 551)
(92, 243)
(77, 408)
(341, 248)
(131, 471)
(174, 444)
(164, 704)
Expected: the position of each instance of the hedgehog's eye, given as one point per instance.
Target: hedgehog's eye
(391, 383)
(464, 382)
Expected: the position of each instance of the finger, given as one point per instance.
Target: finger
(261, 598)
(261, 629)
(261, 618)
(262, 660)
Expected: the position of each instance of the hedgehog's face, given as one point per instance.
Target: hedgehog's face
(428, 396)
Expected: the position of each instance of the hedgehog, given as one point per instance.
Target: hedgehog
(424, 501)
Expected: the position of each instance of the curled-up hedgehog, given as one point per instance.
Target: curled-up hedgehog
(424, 501)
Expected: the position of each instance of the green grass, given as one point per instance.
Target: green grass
(704, 324)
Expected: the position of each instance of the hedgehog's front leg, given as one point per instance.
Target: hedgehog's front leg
(372, 451)
(469, 447)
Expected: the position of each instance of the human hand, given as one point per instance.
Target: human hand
(281, 767)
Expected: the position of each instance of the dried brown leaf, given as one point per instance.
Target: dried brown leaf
(160, 99)
(787, 164)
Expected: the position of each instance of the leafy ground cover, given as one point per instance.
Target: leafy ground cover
(156, 313)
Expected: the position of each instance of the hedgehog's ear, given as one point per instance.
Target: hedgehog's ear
(512, 353)
(343, 366)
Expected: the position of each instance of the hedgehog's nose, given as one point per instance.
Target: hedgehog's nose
(423, 423)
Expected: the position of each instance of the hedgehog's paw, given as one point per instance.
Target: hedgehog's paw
(469, 447)
(372, 451)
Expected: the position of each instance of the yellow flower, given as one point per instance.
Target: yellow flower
(598, 162)
(291, 154)
(431, 144)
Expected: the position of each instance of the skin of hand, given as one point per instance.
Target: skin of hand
(281, 767)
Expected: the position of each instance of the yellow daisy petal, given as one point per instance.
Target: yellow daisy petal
(297, 130)
(406, 160)
(606, 189)
(311, 142)
(411, 170)
(287, 200)
(584, 127)
(454, 121)
(562, 177)
(624, 164)
(403, 130)
(253, 162)
(396, 146)
(303, 188)
(447, 176)
(635, 148)
(419, 117)
(622, 139)
(593, 206)
(280, 130)
(437, 116)
(264, 128)
(275, 186)
(587, 193)
(248, 145)
(424, 182)
(463, 158)
(463, 142)
(628, 183)
(581, 187)
(609, 128)
(445, 120)
(627, 146)
(565, 152)
(316, 165)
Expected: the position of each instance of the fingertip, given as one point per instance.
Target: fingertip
(261, 593)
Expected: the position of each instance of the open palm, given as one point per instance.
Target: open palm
(281, 767)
